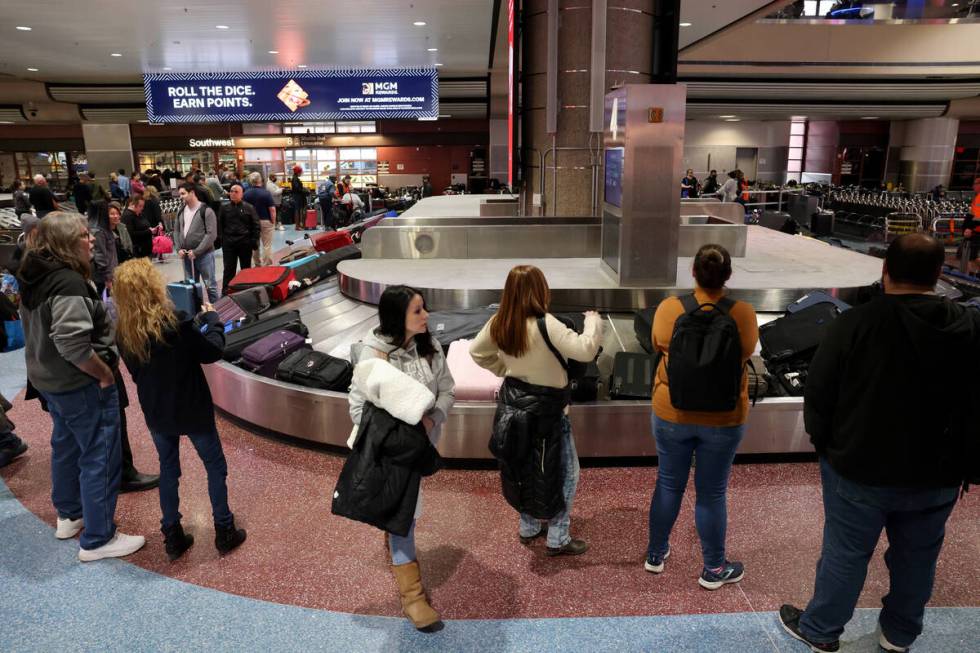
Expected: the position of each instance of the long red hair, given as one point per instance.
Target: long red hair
(526, 294)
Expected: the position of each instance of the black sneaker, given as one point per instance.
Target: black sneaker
(790, 617)
(528, 539)
(7, 454)
(732, 572)
(573, 548)
(655, 564)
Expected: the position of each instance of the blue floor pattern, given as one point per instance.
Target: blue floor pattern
(51, 602)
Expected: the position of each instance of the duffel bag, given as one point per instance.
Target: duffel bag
(314, 369)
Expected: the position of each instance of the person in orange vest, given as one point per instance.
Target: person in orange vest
(971, 238)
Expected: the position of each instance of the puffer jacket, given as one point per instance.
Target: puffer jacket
(527, 443)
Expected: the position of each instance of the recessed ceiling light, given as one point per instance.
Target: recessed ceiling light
(437, 64)
(221, 27)
(142, 121)
(273, 51)
(733, 120)
(33, 70)
(869, 117)
(445, 115)
(167, 68)
(685, 24)
(6, 122)
(419, 23)
(24, 28)
(433, 49)
(302, 65)
(115, 54)
(726, 116)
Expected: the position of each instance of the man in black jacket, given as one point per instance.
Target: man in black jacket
(893, 449)
(239, 234)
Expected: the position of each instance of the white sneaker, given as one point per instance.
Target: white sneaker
(888, 646)
(119, 546)
(68, 528)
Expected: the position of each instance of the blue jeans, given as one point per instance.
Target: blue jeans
(402, 548)
(558, 525)
(208, 446)
(854, 516)
(203, 269)
(86, 459)
(714, 447)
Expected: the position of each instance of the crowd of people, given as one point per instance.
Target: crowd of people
(885, 463)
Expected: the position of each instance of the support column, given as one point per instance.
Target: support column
(108, 148)
(925, 151)
(569, 190)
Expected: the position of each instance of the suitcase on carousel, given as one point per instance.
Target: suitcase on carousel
(473, 383)
(816, 297)
(314, 369)
(310, 269)
(331, 240)
(643, 328)
(275, 278)
(253, 301)
(263, 356)
(796, 336)
(239, 339)
(348, 253)
(632, 376)
(231, 311)
(450, 326)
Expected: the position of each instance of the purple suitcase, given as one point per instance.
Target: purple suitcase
(263, 356)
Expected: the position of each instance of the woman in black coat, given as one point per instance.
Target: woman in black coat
(299, 197)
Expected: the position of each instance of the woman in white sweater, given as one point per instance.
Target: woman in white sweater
(512, 345)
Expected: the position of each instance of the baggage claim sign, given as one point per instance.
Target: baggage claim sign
(292, 95)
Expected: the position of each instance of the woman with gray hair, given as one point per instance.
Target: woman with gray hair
(71, 357)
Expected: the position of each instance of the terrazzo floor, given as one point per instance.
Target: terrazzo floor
(484, 582)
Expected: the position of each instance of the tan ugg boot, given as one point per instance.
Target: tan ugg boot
(414, 603)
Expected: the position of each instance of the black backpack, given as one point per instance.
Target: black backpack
(704, 361)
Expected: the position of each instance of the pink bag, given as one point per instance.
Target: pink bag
(473, 383)
(162, 245)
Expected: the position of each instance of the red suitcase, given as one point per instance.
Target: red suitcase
(275, 277)
(311, 219)
(331, 240)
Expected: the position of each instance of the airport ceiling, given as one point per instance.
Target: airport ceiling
(93, 53)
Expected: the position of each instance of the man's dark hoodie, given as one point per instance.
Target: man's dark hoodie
(890, 397)
(64, 322)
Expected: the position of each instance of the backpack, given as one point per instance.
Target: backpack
(704, 361)
(324, 190)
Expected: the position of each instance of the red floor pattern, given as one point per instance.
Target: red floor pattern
(473, 565)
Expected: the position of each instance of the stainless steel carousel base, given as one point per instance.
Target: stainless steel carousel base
(602, 429)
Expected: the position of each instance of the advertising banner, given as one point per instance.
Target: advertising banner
(292, 95)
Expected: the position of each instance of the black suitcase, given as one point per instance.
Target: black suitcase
(253, 301)
(632, 376)
(449, 326)
(796, 336)
(314, 369)
(822, 223)
(333, 258)
(240, 338)
(643, 328)
(313, 268)
(586, 388)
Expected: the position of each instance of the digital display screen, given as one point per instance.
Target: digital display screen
(614, 176)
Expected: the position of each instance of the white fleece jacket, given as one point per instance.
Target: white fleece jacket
(388, 388)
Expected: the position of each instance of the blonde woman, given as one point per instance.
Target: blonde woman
(164, 350)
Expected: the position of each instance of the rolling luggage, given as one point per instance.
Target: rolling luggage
(253, 301)
(296, 254)
(263, 356)
(186, 295)
(275, 278)
(473, 383)
(239, 339)
(311, 221)
(357, 229)
(795, 336)
(331, 240)
(643, 328)
(312, 268)
(822, 223)
(816, 297)
(231, 311)
(632, 376)
(314, 369)
(449, 326)
(343, 254)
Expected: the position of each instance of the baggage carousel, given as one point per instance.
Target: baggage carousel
(462, 261)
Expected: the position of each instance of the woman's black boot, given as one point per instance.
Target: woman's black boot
(227, 538)
(176, 541)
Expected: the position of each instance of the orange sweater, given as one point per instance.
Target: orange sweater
(663, 328)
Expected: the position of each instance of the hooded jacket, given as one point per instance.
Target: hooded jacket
(380, 481)
(65, 322)
(527, 443)
(106, 257)
(891, 395)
